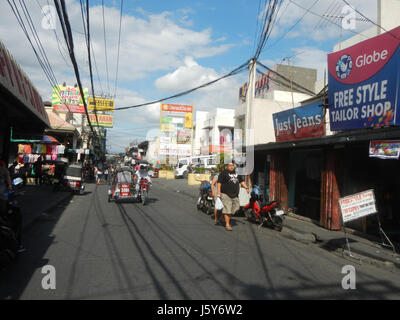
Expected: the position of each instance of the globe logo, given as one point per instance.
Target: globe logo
(344, 66)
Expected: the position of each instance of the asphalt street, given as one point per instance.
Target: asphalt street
(169, 250)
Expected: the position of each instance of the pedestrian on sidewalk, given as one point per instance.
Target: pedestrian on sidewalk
(228, 187)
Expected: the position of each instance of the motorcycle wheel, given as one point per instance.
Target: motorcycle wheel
(210, 208)
(278, 223)
(144, 197)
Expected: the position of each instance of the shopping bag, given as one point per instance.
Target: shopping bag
(244, 197)
(218, 204)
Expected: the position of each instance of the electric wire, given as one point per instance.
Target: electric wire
(379, 26)
(233, 72)
(119, 44)
(105, 48)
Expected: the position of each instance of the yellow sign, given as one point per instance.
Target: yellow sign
(105, 120)
(188, 120)
(101, 104)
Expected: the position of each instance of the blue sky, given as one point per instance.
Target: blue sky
(171, 46)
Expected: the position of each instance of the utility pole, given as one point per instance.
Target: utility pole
(250, 100)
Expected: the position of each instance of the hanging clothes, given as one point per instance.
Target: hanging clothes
(21, 148)
(44, 149)
(28, 149)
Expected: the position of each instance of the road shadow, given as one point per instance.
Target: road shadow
(36, 238)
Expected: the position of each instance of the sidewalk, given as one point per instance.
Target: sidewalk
(34, 201)
(303, 229)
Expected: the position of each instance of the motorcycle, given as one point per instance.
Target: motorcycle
(10, 227)
(144, 187)
(205, 202)
(266, 214)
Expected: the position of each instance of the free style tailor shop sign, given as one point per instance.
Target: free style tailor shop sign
(364, 84)
(299, 123)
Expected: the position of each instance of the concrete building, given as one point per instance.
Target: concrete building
(272, 94)
(214, 132)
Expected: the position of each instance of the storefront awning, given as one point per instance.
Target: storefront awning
(18, 94)
(345, 137)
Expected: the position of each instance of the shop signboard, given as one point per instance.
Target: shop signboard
(364, 84)
(101, 104)
(384, 149)
(15, 81)
(104, 120)
(357, 205)
(299, 123)
(67, 98)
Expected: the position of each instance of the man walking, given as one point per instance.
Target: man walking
(228, 187)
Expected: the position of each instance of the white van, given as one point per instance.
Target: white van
(181, 169)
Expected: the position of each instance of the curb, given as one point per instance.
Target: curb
(50, 207)
(324, 244)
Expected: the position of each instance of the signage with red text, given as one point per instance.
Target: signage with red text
(357, 205)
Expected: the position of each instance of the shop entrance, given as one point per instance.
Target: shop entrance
(363, 173)
(305, 182)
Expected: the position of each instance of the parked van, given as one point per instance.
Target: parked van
(182, 167)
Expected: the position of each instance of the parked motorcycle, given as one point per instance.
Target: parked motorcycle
(205, 202)
(266, 214)
(10, 227)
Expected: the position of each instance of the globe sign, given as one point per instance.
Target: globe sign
(344, 66)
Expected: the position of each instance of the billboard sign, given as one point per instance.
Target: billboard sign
(68, 99)
(364, 84)
(104, 120)
(176, 123)
(357, 205)
(101, 104)
(299, 123)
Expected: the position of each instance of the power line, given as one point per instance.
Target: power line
(361, 14)
(105, 47)
(119, 43)
(66, 27)
(293, 26)
(87, 29)
(305, 90)
(233, 72)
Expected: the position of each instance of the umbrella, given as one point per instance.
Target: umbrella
(49, 139)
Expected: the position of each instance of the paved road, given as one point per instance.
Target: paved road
(169, 250)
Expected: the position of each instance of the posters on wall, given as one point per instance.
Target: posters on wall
(299, 123)
(364, 84)
(384, 149)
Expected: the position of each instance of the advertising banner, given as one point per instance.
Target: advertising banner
(101, 104)
(364, 84)
(299, 123)
(68, 99)
(357, 205)
(105, 120)
(384, 149)
(175, 130)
